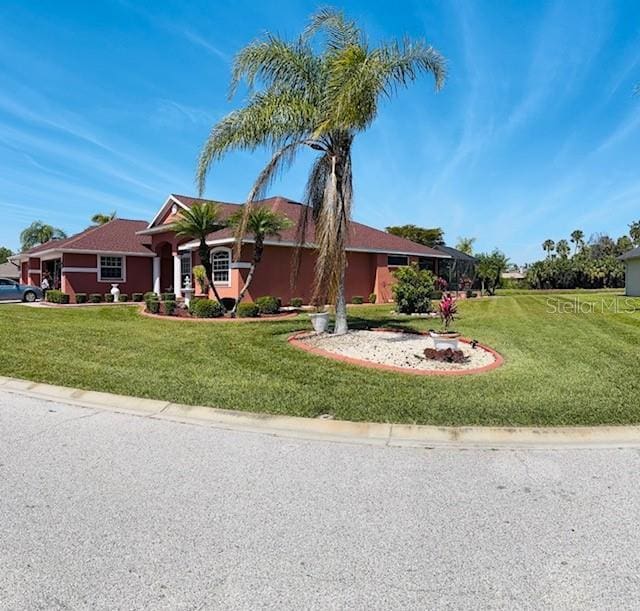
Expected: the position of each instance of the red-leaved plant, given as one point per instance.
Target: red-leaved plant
(447, 309)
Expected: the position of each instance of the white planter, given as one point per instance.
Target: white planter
(442, 341)
(320, 321)
(115, 291)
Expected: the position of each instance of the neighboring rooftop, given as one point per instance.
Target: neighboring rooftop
(9, 270)
(634, 253)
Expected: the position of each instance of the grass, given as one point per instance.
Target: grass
(560, 368)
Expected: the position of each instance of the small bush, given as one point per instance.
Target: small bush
(123, 297)
(357, 299)
(54, 296)
(247, 310)
(153, 306)
(206, 308)
(169, 307)
(296, 302)
(229, 303)
(437, 295)
(413, 289)
(150, 296)
(95, 298)
(267, 305)
(137, 297)
(372, 298)
(108, 298)
(469, 293)
(167, 297)
(81, 298)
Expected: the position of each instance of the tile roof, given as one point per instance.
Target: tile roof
(362, 237)
(118, 235)
(9, 270)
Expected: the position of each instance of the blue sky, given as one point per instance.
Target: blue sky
(104, 106)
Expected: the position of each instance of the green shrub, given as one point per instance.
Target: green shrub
(437, 295)
(55, 296)
(108, 298)
(167, 297)
(357, 299)
(150, 296)
(296, 302)
(169, 307)
(469, 293)
(205, 308)
(153, 306)
(267, 305)
(95, 298)
(123, 297)
(372, 298)
(137, 297)
(413, 289)
(247, 310)
(81, 298)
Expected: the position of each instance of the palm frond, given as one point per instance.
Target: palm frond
(340, 32)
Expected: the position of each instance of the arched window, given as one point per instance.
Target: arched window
(221, 261)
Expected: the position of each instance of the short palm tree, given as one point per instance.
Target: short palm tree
(465, 245)
(261, 223)
(102, 219)
(548, 246)
(197, 223)
(577, 237)
(563, 249)
(39, 233)
(318, 97)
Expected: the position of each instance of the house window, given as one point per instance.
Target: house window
(397, 260)
(221, 261)
(185, 266)
(111, 269)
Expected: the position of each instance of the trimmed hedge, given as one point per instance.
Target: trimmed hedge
(167, 296)
(95, 298)
(206, 308)
(357, 300)
(55, 296)
(169, 307)
(372, 298)
(150, 296)
(247, 310)
(137, 297)
(108, 298)
(296, 302)
(81, 297)
(153, 306)
(267, 305)
(123, 297)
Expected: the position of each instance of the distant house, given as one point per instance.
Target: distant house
(631, 260)
(141, 256)
(9, 270)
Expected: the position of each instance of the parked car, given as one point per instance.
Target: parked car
(12, 290)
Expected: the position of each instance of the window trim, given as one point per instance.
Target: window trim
(228, 251)
(112, 280)
(405, 264)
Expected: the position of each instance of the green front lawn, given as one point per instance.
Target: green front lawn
(559, 368)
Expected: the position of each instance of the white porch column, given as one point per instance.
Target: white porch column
(177, 280)
(156, 275)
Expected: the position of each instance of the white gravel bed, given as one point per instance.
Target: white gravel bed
(396, 349)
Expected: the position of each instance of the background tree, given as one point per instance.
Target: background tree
(5, 253)
(319, 97)
(634, 232)
(489, 269)
(39, 233)
(623, 244)
(465, 245)
(577, 238)
(197, 223)
(101, 219)
(421, 235)
(261, 223)
(548, 246)
(563, 249)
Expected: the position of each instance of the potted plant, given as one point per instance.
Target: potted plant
(319, 320)
(447, 310)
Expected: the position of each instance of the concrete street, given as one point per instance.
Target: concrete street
(100, 510)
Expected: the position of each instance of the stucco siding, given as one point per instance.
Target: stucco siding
(632, 278)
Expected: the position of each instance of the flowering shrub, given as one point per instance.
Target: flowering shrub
(441, 284)
(412, 289)
(447, 310)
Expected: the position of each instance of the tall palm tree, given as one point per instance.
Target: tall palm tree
(563, 249)
(102, 219)
(577, 237)
(261, 223)
(39, 233)
(317, 97)
(197, 223)
(548, 246)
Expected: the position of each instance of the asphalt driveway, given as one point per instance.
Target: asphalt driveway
(102, 510)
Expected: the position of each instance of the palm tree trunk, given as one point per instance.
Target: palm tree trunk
(258, 249)
(205, 259)
(341, 326)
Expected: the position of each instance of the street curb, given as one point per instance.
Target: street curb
(369, 433)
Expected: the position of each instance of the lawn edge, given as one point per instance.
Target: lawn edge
(369, 433)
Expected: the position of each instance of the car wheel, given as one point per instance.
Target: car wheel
(29, 296)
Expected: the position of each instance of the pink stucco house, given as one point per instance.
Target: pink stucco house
(141, 256)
